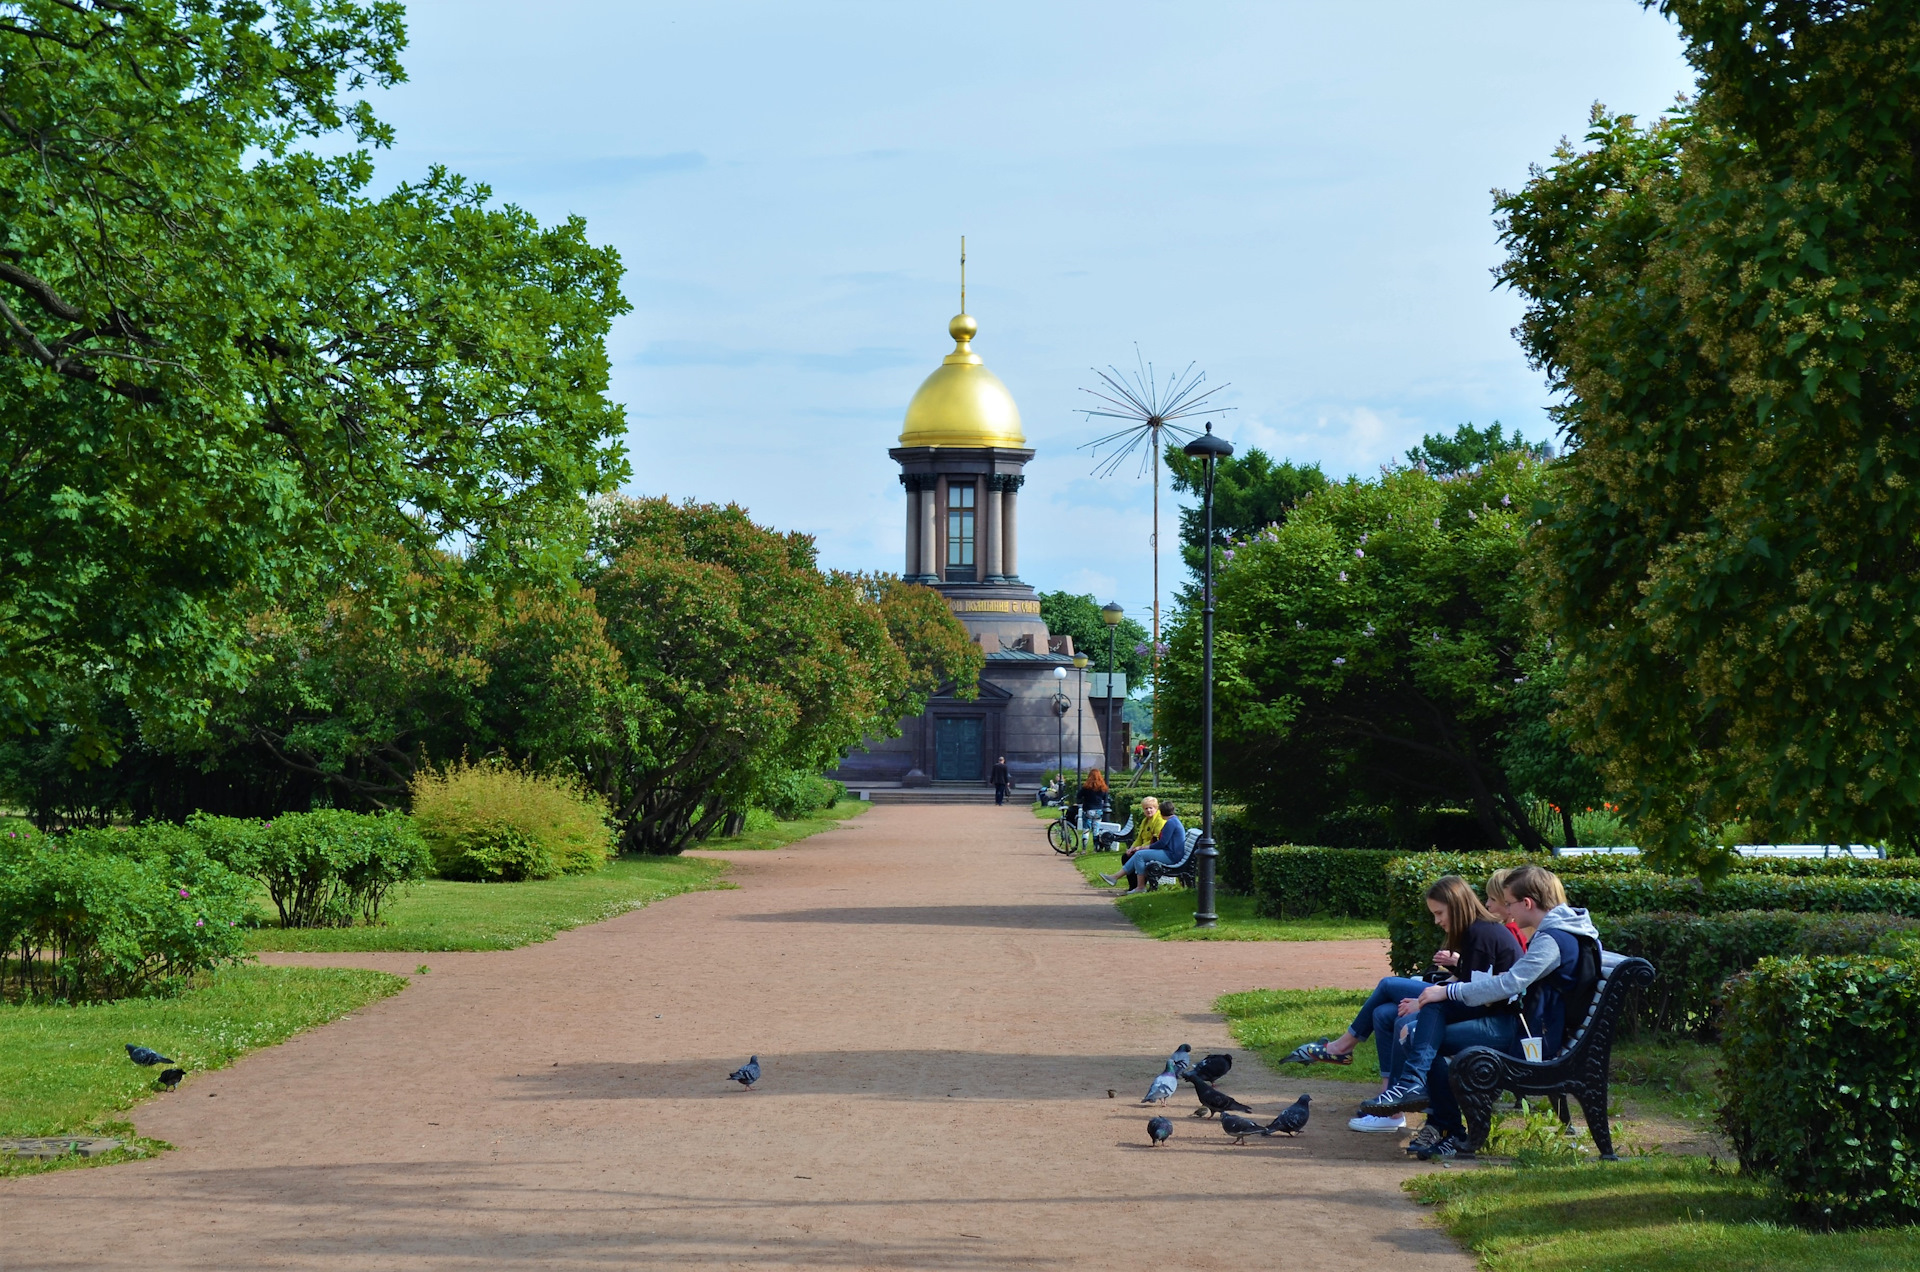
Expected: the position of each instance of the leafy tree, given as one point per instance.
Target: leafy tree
(1469, 447)
(1371, 650)
(230, 376)
(1250, 493)
(1079, 617)
(1724, 300)
(933, 642)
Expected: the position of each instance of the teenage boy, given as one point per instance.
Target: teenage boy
(1555, 978)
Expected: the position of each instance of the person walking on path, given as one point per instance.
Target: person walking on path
(1001, 780)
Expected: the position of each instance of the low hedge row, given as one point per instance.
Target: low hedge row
(1293, 882)
(1696, 954)
(101, 915)
(321, 869)
(1821, 1081)
(1610, 892)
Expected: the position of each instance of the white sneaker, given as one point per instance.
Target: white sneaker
(1387, 1125)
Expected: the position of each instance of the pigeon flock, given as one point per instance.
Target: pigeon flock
(1213, 1101)
(147, 1057)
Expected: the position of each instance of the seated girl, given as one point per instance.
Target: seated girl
(1169, 846)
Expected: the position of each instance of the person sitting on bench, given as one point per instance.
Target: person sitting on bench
(1168, 847)
(1151, 820)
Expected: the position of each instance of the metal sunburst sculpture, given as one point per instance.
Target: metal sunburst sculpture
(1152, 408)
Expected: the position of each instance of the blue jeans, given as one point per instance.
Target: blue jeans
(1377, 1017)
(1436, 1033)
(1137, 864)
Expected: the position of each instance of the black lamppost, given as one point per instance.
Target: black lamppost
(1211, 450)
(1079, 718)
(1060, 705)
(1110, 614)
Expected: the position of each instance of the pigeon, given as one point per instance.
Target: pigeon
(1213, 1068)
(1159, 1130)
(1241, 1127)
(1181, 1059)
(1292, 1119)
(747, 1074)
(1163, 1086)
(146, 1057)
(1212, 1101)
(170, 1078)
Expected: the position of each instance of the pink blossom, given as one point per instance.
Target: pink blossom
(199, 923)
(183, 892)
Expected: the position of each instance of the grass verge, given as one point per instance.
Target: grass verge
(780, 834)
(64, 1070)
(443, 915)
(1272, 1022)
(1654, 1214)
(1167, 915)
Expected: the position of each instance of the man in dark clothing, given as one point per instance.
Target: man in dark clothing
(1001, 780)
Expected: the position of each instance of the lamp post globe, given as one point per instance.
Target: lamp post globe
(1210, 450)
(1111, 613)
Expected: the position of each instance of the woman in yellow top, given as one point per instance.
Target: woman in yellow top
(1151, 824)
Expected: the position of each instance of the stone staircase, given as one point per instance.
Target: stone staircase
(938, 793)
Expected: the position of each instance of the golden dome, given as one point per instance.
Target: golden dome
(962, 403)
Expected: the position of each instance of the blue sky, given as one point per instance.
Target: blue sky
(1293, 195)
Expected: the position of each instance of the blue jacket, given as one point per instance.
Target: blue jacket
(1173, 840)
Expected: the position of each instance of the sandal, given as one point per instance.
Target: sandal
(1315, 1053)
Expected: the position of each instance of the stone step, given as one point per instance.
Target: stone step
(935, 795)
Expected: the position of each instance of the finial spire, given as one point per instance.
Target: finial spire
(963, 273)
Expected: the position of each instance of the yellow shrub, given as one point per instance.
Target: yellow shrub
(494, 822)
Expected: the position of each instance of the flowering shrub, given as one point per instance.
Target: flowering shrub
(495, 823)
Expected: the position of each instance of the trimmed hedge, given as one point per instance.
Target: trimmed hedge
(1696, 954)
(1821, 1081)
(322, 869)
(1609, 891)
(1294, 882)
(109, 914)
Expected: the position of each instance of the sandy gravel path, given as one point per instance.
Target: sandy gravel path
(940, 1007)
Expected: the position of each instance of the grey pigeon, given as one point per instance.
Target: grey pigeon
(1292, 1119)
(1241, 1127)
(170, 1078)
(1212, 1101)
(1159, 1130)
(1181, 1059)
(146, 1057)
(1163, 1086)
(1213, 1068)
(747, 1074)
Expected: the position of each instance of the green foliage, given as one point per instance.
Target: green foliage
(326, 868)
(1078, 616)
(1251, 492)
(1724, 303)
(1272, 1022)
(488, 822)
(1822, 1082)
(1696, 954)
(1370, 651)
(1234, 835)
(1469, 448)
(440, 914)
(64, 1068)
(232, 374)
(1292, 882)
(933, 642)
(790, 794)
(109, 914)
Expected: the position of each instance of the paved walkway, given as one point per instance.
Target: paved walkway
(940, 1007)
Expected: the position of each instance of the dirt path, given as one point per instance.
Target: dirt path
(940, 1007)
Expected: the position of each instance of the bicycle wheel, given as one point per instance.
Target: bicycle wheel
(1063, 838)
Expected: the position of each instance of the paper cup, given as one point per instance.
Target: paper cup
(1530, 1048)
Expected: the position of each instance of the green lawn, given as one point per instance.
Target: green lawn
(1272, 1022)
(64, 1070)
(780, 834)
(1167, 915)
(442, 915)
(1654, 1214)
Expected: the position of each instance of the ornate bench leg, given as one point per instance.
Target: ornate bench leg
(1475, 1075)
(1593, 1107)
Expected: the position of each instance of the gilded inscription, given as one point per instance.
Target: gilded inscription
(995, 607)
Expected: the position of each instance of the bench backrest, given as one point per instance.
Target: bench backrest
(1639, 972)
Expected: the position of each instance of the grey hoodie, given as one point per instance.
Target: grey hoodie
(1541, 958)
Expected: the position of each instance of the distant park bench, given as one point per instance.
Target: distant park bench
(1859, 852)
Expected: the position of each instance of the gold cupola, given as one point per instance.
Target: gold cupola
(962, 404)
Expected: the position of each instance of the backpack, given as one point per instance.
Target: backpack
(1560, 999)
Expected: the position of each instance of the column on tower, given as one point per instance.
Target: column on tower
(912, 483)
(990, 571)
(929, 529)
(1010, 527)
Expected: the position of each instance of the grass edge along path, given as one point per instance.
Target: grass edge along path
(1167, 915)
(64, 1069)
(440, 914)
(782, 833)
(1651, 1214)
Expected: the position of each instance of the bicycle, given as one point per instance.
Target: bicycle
(1065, 837)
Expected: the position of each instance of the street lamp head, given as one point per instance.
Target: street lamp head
(1080, 661)
(1111, 613)
(1059, 673)
(1208, 447)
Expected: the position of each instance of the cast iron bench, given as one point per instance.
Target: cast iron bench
(1186, 870)
(1480, 1074)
